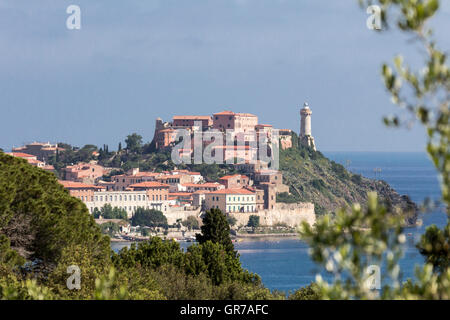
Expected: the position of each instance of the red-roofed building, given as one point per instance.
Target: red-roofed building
(43, 151)
(239, 122)
(189, 121)
(175, 180)
(236, 181)
(85, 172)
(208, 186)
(82, 191)
(181, 198)
(32, 159)
(155, 190)
(122, 181)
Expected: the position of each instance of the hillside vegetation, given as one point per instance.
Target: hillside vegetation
(314, 178)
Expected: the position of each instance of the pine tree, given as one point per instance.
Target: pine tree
(216, 229)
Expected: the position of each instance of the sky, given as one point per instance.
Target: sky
(133, 61)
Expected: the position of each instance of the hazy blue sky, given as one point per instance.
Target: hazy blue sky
(135, 60)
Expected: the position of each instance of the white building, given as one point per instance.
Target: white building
(126, 200)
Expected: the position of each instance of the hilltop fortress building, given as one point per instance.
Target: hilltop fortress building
(244, 125)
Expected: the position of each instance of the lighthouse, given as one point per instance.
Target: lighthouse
(306, 137)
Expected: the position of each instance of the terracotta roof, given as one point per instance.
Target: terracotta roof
(34, 161)
(224, 113)
(233, 176)
(149, 184)
(21, 155)
(77, 185)
(232, 191)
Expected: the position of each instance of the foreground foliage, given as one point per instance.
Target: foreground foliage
(349, 243)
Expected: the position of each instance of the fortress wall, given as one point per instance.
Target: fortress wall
(290, 214)
(173, 214)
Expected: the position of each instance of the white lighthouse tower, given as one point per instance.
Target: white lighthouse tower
(306, 137)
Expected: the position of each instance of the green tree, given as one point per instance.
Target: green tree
(310, 292)
(110, 228)
(149, 218)
(134, 143)
(191, 223)
(108, 212)
(216, 229)
(39, 220)
(253, 222)
(231, 221)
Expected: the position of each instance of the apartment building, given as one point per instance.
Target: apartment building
(175, 180)
(42, 150)
(239, 122)
(129, 201)
(156, 191)
(85, 172)
(32, 159)
(82, 191)
(190, 121)
(236, 181)
(133, 176)
(208, 187)
(231, 200)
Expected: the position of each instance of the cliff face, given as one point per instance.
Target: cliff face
(314, 178)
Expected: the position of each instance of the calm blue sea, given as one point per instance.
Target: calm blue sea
(285, 265)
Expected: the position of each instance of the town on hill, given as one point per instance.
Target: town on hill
(249, 189)
(243, 182)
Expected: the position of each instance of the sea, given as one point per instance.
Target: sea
(285, 264)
